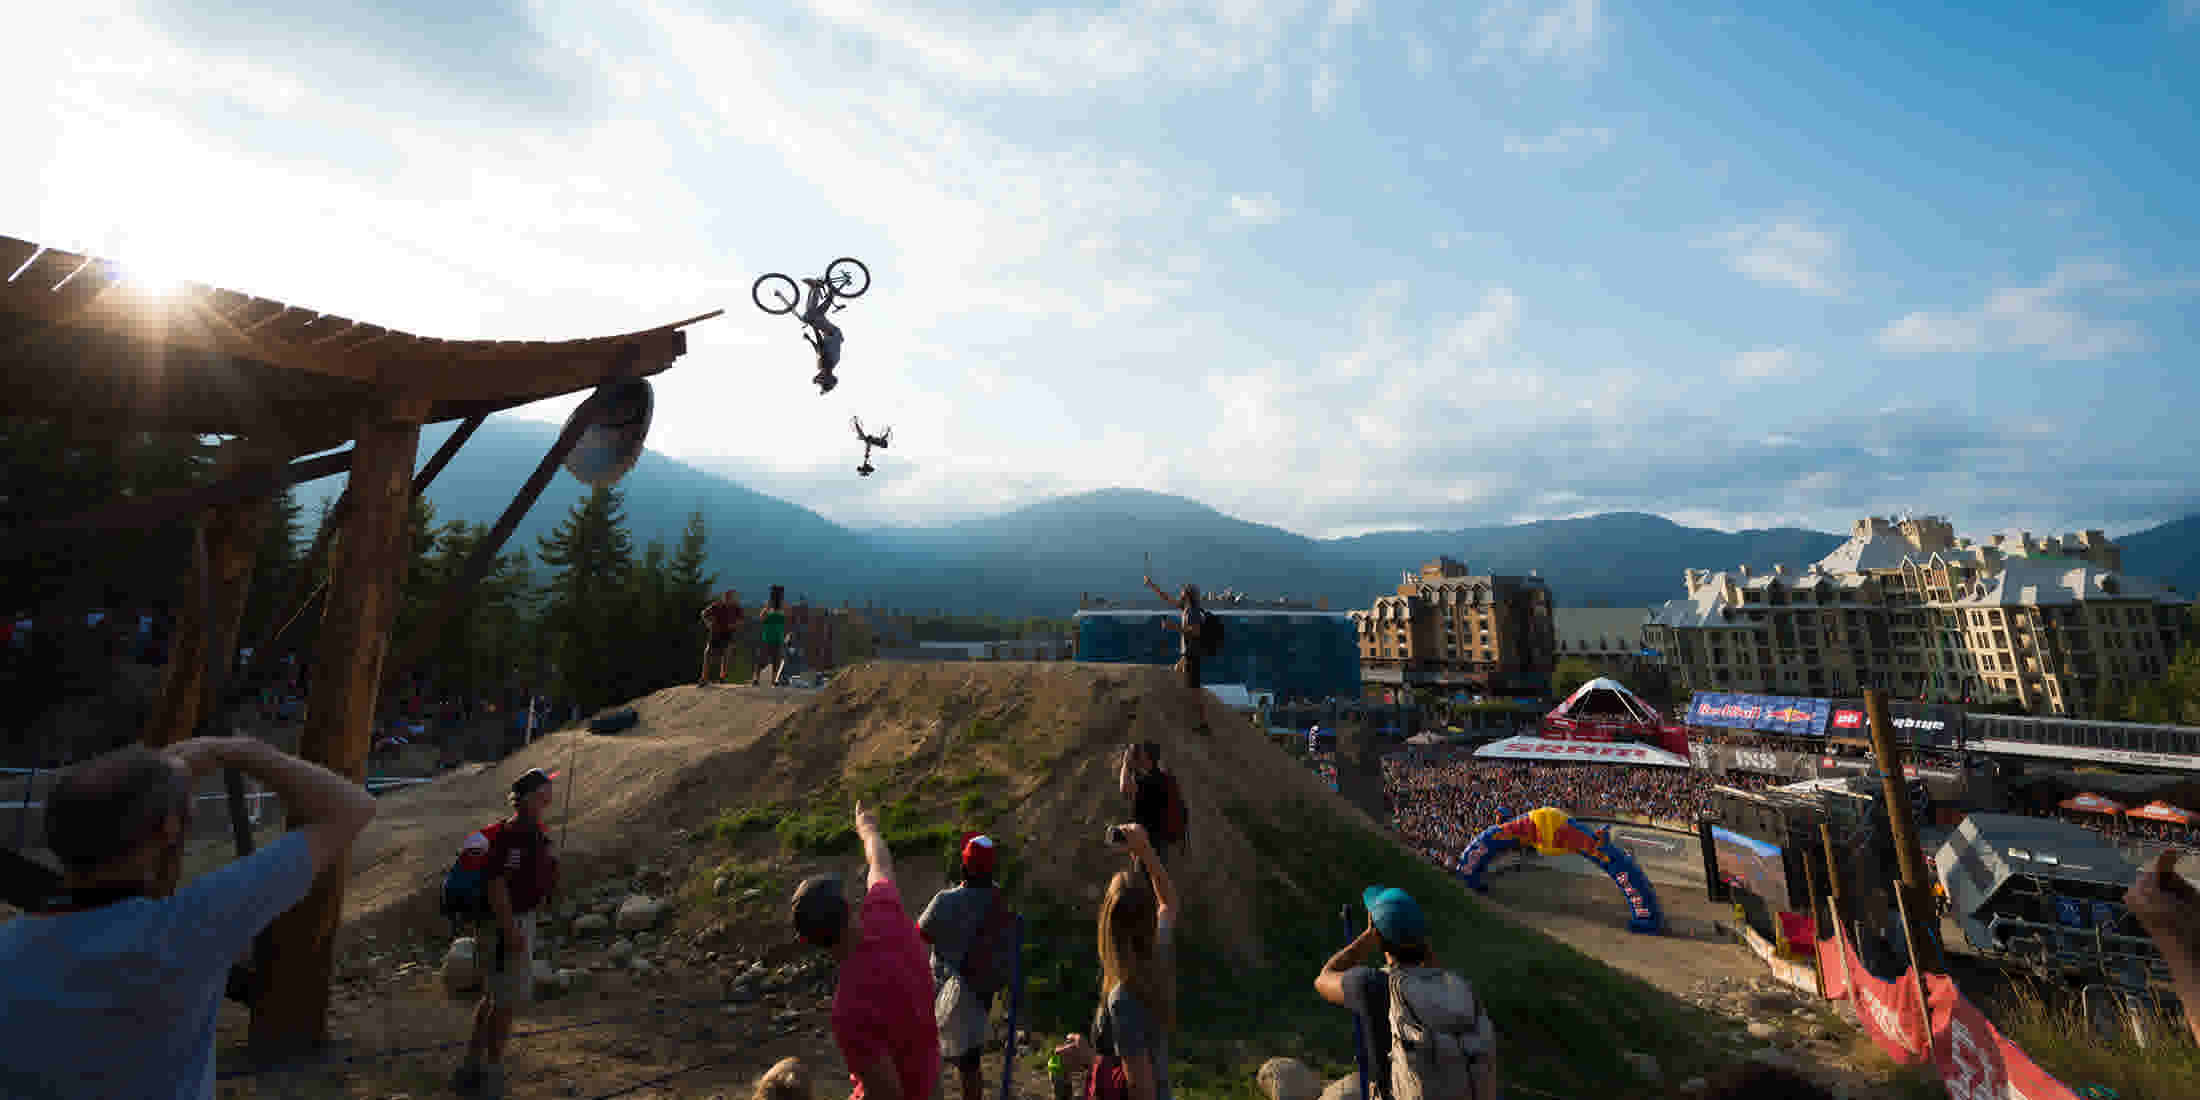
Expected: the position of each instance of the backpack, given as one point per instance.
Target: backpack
(1436, 1035)
(1176, 820)
(465, 887)
(986, 964)
(1210, 633)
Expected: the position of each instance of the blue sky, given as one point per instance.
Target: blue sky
(1338, 266)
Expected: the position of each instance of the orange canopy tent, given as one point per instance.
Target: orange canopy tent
(2159, 810)
(2093, 804)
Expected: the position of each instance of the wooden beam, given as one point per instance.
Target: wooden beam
(227, 540)
(366, 569)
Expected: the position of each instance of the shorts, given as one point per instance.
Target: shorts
(510, 982)
(1188, 665)
(768, 653)
(968, 1060)
(719, 643)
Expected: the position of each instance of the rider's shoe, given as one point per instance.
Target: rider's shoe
(825, 381)
(866, 469)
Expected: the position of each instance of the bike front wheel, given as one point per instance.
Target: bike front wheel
(848, 277)
(775, 294)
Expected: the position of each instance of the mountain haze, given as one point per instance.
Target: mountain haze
(1038, 559)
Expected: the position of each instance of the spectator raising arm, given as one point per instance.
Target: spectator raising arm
(875, 852)
(1164, 891)
(337, 809)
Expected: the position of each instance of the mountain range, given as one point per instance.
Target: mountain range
(1038, 560)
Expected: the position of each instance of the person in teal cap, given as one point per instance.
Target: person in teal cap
(1424, 1024)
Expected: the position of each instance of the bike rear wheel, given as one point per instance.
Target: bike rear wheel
(848, 277)
(775, 294)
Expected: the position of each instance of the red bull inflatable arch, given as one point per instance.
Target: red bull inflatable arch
(1550, 831)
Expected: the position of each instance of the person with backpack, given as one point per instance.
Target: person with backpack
(1127, 1053)
(1199, 634)
(971, 930)
(513, 874)
(1157, 801)
(1423, 1022)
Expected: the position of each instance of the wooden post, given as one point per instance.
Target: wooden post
(1810, 892)
(366, 571)
(229, 537)
(1913, 891)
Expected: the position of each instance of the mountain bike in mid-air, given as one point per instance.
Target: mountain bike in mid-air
(776, 294)
(869, 441)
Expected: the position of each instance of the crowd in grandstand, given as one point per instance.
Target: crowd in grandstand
(1440, 806)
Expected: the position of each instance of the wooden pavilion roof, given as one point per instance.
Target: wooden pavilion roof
(77, 341)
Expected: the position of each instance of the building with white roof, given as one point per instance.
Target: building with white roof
(1906, 607)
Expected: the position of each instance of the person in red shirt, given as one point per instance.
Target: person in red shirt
(521, 874)
(722, 616)
(882, 1010)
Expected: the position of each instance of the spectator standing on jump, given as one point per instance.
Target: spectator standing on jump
(1190, 620)
(972, 952)
(1148, 786)
(882, 1009)
(1128, 1051)
(771, 624)
(521, 873)
(122, 945)
(1423, 1022)
(723, 617)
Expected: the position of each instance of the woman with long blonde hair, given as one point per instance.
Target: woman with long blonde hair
(1129, 1049)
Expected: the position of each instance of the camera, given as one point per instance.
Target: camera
(1116, 838)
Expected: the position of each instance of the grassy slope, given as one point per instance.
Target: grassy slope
(1565, 1017)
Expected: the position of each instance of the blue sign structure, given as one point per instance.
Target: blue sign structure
(1552, 831)
(1762, 713)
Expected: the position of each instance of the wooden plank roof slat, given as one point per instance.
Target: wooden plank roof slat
(49, 268)
(14, 254)
(288, 326)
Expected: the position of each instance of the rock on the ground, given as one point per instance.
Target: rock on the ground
(1346, 1087)
(645, 939)
(621, 948)
(461, 971)
(1644, 1065)
(591, 924)
(639, 911)
(644, 966)
(1772, 1056)
(1695, 1085)
(1288, 1079)
(1758, 1029)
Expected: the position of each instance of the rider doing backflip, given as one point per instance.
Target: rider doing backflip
(824, 335)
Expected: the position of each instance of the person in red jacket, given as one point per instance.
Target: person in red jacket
(521, 875)
(882, 1008)
(723, 616)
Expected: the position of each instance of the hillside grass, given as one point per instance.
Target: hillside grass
(2056, 1034)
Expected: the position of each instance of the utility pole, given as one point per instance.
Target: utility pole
(1913, 891)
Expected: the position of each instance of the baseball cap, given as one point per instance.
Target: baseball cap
(531, 779)
(1396, 916)
(980, 855)
(820, 910)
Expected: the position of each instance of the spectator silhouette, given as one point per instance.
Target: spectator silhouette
(126, 941)
(966, 926)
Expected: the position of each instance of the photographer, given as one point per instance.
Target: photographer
(1128, 1053)
(1427, 1033)
(1141, 777)
(122, 945)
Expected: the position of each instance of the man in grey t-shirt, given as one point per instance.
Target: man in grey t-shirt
(127, 942)
(953, 924)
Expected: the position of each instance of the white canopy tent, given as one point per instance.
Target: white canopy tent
(1579, 752)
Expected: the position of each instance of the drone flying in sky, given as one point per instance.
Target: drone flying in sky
(869, 441)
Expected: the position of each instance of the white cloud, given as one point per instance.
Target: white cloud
(2041, 318)
(1488, 329)
(1760, 364)
(1541, 31)
(1421, 57)
(1565, 139)
(1258, 209)
(1323, 90)
(1791, 252)
(1344, 13)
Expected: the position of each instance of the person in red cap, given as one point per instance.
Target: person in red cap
(972, 956)
(520, 875)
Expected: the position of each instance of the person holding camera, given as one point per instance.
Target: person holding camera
(1150, 791)
(882, 1007)
(1127, 1055)
(1424, 1024)
(125, 942)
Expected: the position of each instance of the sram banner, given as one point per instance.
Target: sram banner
(1977, 1062)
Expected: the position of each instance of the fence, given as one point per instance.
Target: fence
(23, 803)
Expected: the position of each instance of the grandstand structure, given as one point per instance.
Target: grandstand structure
(2047, 895)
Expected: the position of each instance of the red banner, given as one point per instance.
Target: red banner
(1798, 934)
(1889, 1011)
(1975, 1060)
(1833, 971)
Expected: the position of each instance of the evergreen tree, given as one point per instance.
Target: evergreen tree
(590, 555)
(690, 584)
(274, 571)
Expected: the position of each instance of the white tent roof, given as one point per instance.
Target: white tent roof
(1234, 695)
(1579, 752)
(1607, 696)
